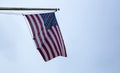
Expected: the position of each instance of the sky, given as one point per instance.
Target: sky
(90, 28)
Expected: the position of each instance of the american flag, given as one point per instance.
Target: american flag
(47, 35)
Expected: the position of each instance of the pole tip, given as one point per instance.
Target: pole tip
(58, 9)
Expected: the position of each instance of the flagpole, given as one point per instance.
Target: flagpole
(28, 9)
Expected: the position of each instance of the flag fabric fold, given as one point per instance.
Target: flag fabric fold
(47, 35)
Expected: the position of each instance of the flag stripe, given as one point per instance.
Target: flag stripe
(36, 36)
(33, 26)
(53, 36)
(42, 25)
(42, 37)
(46, 49)
(33, 31)
(49, 41)
(62, 42)
(59, 41)
(57, 38)
(51, 44)
(50, 34)
(40, 50)
(49, 50)
(36, 26)
(39, 27)
(50, 47)
(47, 35)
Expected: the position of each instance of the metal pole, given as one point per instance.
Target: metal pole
(28, 9)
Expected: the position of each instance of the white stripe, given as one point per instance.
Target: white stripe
(33, 24)
(51, 44)
(48, 48)
(43, 26)
(45, 54)
(44, 30)
(63, 49)
(49, 41)
(51, 34)
(38, 24)
(58, 39)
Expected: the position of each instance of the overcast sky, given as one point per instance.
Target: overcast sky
(90, 28)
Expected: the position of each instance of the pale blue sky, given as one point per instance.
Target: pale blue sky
(90, 28)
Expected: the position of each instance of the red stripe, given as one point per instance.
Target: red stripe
(35, 22)
(30, 25)
(41, 38)
(39, 49)
(62, 41)
(43, 56)
(57, 35)
(41, 24)
(57, 40)
(58, 44)
(36, 41)
(53, 43)
(50, 47)
(63, 49)
(37, 15)
(43, 45)
(42, 27)
(36, 25)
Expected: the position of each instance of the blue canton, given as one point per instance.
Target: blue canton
(49, 20)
